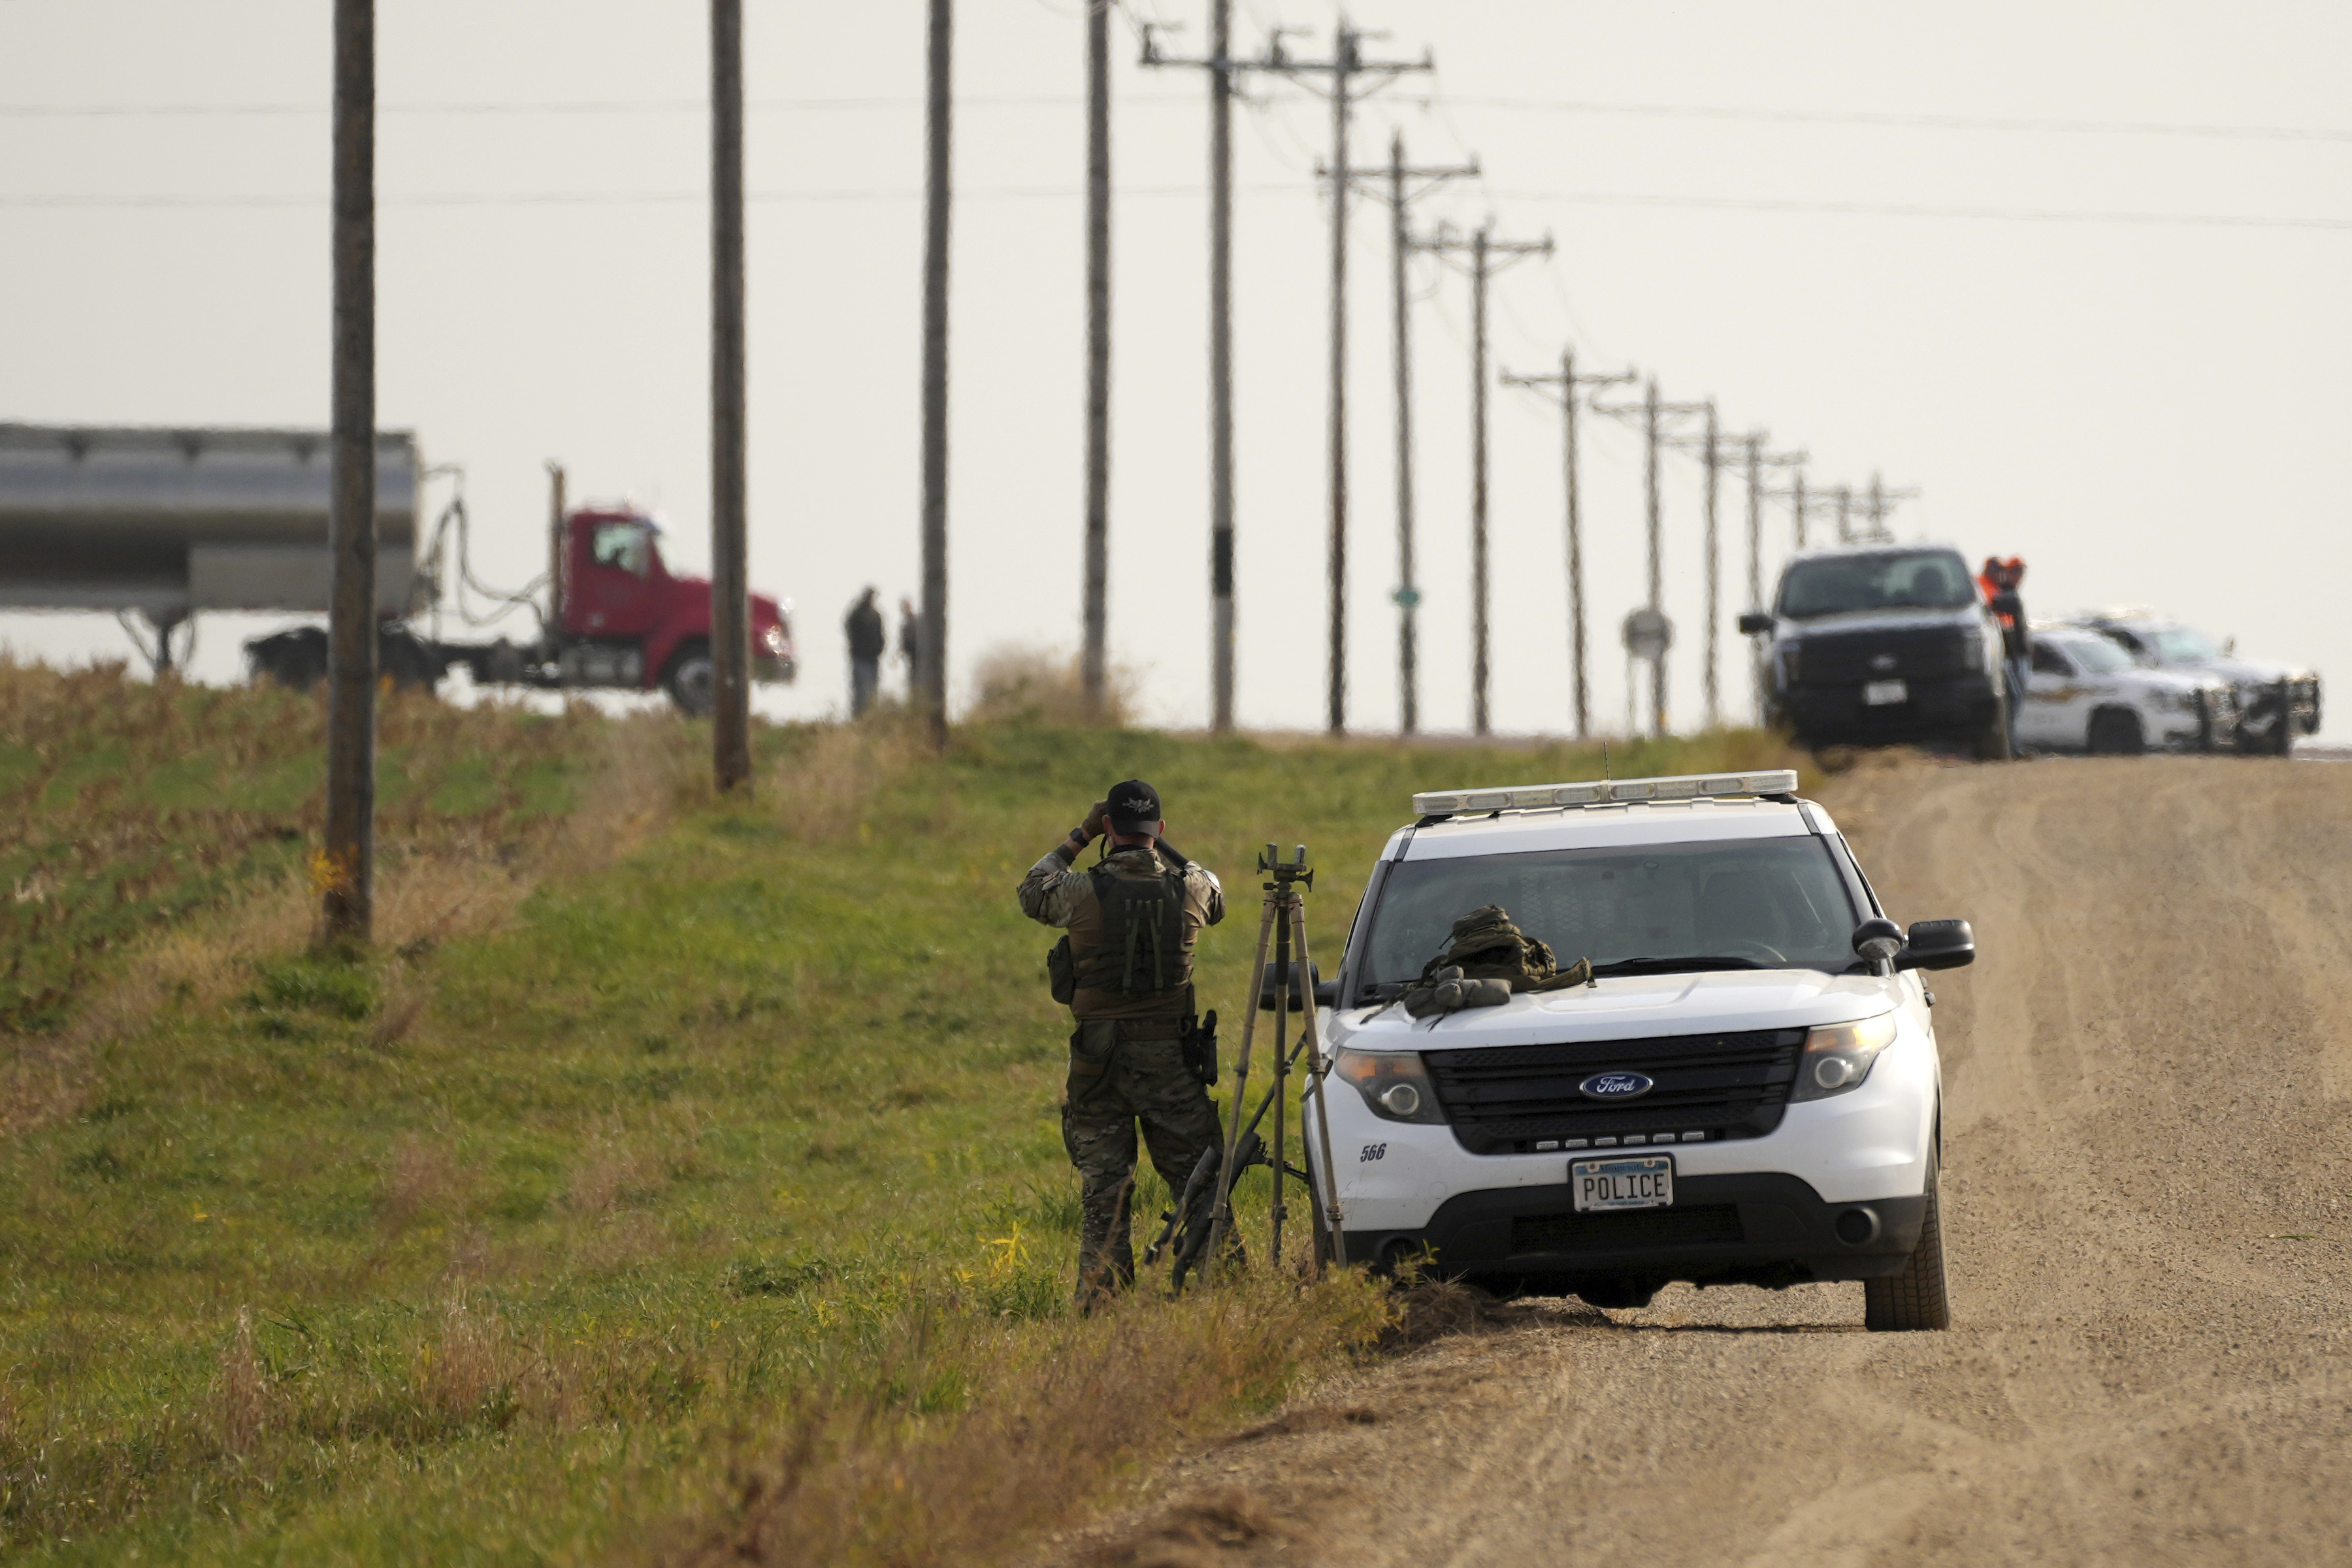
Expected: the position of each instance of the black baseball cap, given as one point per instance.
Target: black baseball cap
(1134, 808)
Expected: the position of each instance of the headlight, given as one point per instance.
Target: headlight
(1838, 1057)
(1395, 1086)
(2173, 701)
(773, 639)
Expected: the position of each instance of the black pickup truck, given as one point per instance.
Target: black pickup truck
(1874, 645)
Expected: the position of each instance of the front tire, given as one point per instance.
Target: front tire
(693, 682)
(1915, 1298)
(2116, 732)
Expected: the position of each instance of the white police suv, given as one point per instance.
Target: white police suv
(1747, 1092)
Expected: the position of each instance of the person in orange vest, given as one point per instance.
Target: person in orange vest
(1999, 580)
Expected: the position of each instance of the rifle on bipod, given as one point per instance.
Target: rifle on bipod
(1186, 1227)
(1284, 923)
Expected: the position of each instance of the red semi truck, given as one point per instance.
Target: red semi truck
(165, 523)
(619, 619)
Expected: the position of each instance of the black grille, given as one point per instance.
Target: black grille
(1923, 654)
(1507, 1099)
(1625, 1227)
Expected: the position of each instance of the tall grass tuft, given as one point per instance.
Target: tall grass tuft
(1032, 686)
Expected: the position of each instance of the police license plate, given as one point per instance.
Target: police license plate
(1879, 693)
(1636, 1182)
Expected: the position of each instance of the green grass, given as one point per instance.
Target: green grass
(125, 806)
(737, 1158)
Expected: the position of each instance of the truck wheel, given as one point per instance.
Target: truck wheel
(693, 682)
(1992, 740)
(296, 657)
(1916, 1298)
(2115, 734)
(407, 661)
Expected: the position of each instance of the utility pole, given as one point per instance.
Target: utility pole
(1400, 185)
(1653, 413)
(1346, 64)
(1845, 494)
(1567, 381)
(1883, 501)
(731, 629)
(1487, 256)
(1757, 461)
(1098, 546)
(1221, 66)
(1710, 446)
(348, 903)
(931, 650)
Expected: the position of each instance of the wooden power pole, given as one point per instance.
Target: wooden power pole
(1091, 660)
(730, 619)
(1569, 383)
(931, 649)
(1487, 256)
(1221, 66)
(350, 863)
(1401, 185)
(1346, 64)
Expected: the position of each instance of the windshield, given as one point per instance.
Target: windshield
(628, 545)
(2181, 646)
(1927, 579)
(2095, 655)
(1772, 902)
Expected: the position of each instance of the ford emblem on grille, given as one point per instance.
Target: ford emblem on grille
(1616, 1085)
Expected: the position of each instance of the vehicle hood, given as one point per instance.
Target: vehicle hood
(1851, 623)
(1633, 1007)
(2240, 670)
(2175, 677)
(692, 595)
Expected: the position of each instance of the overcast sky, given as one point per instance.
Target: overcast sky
(2075, 271)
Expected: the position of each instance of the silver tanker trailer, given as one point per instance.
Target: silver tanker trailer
(162, 524)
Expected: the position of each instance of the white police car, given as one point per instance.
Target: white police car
(1747, 1093)
(2085, 694)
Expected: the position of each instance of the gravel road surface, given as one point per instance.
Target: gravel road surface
(2148, 1126)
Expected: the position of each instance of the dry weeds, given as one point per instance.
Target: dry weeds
(1022, 683)
(247, 1403)
(1023, 1428)
(824, 790)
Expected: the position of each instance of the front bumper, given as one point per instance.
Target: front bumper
(1956, 708)
(1405, 1186)
(1760, 1228)
(769, 672)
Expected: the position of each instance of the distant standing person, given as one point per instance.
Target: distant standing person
(910, 638)
(868, 643)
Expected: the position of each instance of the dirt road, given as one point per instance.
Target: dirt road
(2148, 1120)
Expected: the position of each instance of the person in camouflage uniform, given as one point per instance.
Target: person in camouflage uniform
(1126, 975)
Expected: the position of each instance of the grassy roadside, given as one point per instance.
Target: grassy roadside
(713, 1203)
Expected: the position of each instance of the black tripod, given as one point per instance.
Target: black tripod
(1284, 923)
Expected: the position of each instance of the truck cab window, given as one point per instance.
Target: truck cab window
(628, 545)
(2048, 661)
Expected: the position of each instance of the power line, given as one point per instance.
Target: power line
(1915, 122)
(2025, 126)
(580, 106)
(1059, 193)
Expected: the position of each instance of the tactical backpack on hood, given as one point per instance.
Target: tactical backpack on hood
(1483, 945)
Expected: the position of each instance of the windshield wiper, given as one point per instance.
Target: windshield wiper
(1672, 966)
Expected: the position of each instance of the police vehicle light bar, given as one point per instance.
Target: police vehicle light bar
(1607, 791)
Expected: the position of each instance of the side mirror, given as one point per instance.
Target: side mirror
(1938, 944)
(1878, 939)
(1302, 976)
(1327, 994)
(1755, 624)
